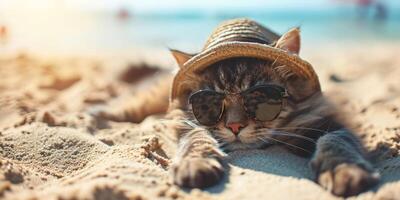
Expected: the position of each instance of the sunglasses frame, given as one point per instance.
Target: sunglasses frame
(283, 92)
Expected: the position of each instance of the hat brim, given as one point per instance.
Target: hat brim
(228, 50)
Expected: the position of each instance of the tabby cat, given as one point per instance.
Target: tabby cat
(221, 117)
(250, 103)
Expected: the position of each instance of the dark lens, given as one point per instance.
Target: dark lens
(207, 106)
(264, 103)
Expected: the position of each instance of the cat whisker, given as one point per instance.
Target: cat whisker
(287, 134)
(301, 128)
(294, 128)
(218, 138)
(185, 122)
(190, 123)
(282, 142)
(223, 145)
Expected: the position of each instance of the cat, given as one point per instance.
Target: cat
(306, 125)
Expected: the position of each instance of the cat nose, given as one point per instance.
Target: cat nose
(235, 127)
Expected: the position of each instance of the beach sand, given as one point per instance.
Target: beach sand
(51, 147)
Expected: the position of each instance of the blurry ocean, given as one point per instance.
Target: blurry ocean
(190, 29)
(58, 30)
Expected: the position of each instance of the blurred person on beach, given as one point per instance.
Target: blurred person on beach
(365, 6)
(123, 14)
(3, 34)
(381, 11)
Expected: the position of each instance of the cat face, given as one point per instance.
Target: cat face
(236, 128)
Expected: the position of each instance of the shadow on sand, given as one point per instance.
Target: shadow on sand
(274, 160)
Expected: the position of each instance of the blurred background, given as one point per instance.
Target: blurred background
(96, 27)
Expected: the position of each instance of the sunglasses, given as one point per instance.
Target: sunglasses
(262, 103)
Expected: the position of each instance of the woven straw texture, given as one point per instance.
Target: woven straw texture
(242, 38)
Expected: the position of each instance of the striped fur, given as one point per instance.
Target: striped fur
(307, 126)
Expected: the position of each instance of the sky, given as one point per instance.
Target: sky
(143, 6)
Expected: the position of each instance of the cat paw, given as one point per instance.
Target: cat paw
(347, 180)
(197, 172)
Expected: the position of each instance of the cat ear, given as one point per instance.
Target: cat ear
(290, 41)
(180, 57)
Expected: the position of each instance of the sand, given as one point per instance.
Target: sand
(51, 147)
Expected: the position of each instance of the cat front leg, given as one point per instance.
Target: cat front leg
(198, 163)
(340, 166)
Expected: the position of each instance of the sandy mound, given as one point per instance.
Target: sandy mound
(51, 147)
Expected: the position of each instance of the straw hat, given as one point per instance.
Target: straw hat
(242, 38)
